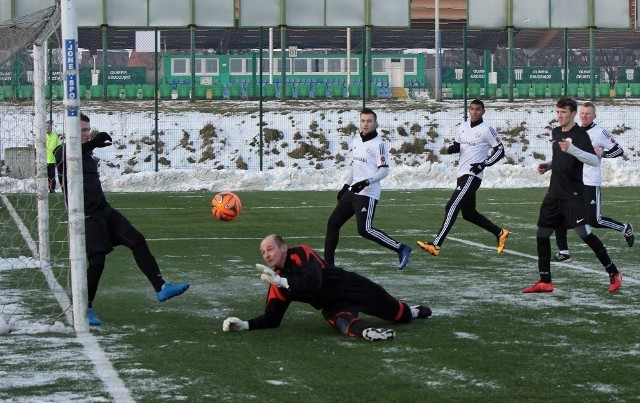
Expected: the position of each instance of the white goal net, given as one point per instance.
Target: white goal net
(34, 267)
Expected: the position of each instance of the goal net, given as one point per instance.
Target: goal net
(34, 269)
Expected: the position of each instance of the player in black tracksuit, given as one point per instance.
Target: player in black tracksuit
(563, 205)
(299, 274)
(105, 227)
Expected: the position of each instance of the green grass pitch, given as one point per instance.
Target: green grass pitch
(486, 340)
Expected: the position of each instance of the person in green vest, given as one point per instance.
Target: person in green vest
(53, 141)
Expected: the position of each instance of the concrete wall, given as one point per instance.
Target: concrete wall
(20, 162)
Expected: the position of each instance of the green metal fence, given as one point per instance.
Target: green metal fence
(186, 89)
(193, 64)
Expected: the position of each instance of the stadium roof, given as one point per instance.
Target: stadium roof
(453, 16)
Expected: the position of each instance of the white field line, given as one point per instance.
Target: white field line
(31, 244)
(103, 367)
(532, 257)
(45, 267)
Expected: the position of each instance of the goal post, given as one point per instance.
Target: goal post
(42, 253)
(73, 155)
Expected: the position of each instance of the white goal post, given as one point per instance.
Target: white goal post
(42, 258)
(73, 155)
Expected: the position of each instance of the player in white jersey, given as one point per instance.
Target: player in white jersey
(474, 140)
(361, 192)
(605, 146)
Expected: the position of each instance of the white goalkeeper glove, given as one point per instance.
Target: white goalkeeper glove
(234, 324)
(270, 276)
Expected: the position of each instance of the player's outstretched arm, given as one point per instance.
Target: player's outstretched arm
(233, 324)
(100, 140)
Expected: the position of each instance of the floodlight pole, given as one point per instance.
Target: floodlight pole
(155, 95)
(283, 62)
(565, 63)
(348, 66)
(464, 70)
(73, 171)
(270, 55)
(192, 40)
(260, 74)
(366, 80)
(437, 79)
(105, 46)
(283, 47)
(510, 48)
(369, 58)
(592, 50)
(592, 57)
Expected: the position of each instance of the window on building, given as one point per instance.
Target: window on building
(180, 67)
(334, 65)
(317, 65)
(300, 65)
(354, 65)
(278, 63)
(210, 66)
(377, 65)
(410, 66)
(236, 66)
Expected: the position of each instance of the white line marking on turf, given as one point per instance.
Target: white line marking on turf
(532, 257)
(44, 266)
(31, 244)
(103, 367)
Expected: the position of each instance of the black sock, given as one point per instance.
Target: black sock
(601, 252)
(544, 258)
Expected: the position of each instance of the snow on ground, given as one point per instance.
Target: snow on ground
(192, 157)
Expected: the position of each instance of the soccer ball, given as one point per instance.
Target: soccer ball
(226, 206)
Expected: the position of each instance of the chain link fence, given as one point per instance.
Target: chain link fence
(259, 99)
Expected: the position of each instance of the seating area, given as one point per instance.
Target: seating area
(236, 89)
(321, 89)
(542, 90)
(302, 88)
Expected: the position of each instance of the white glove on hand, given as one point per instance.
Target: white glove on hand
(270, 276)
(234, 324)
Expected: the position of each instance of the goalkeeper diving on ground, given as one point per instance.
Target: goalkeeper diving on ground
(299, 274)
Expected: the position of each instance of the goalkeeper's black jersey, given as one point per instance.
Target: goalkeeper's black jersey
(566, 172)
(312, 281)
(94, 198)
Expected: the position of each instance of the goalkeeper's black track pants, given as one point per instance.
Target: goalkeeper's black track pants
(363, 295)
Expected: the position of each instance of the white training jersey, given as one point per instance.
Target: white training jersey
(592, 176)
(475, 143)
(366, 158)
